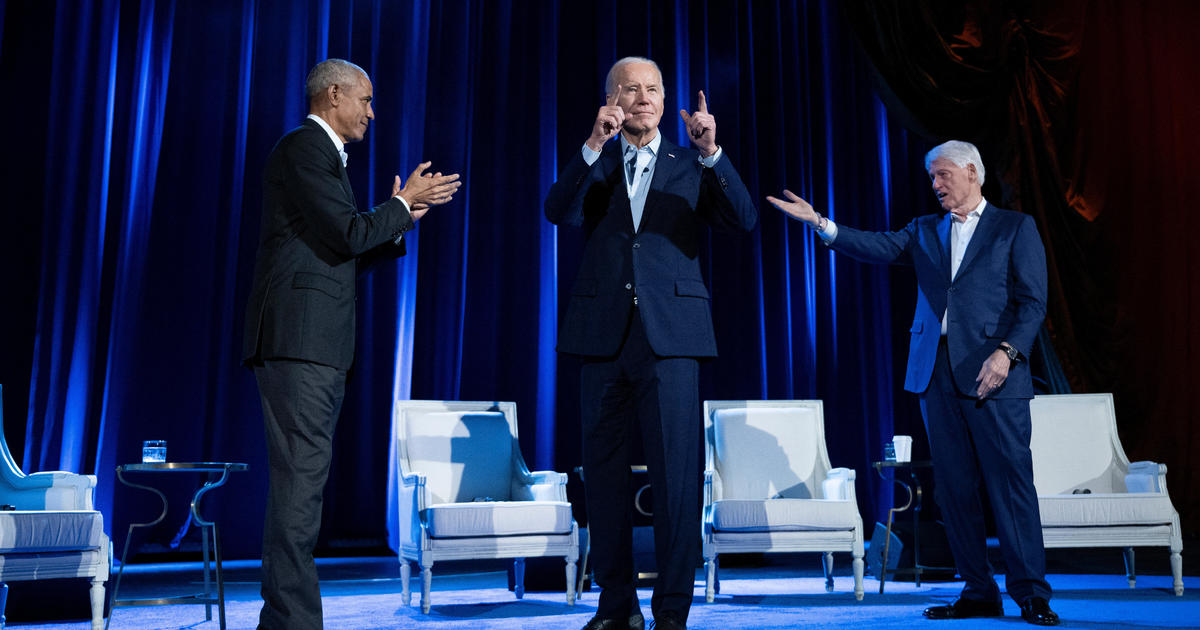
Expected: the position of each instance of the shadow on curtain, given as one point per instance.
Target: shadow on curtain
(143, 169)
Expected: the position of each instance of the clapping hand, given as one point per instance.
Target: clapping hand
(423, 190)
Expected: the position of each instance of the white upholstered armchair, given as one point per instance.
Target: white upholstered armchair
(54, 530)
(1089, 494)
(769, 487)
(464, 492)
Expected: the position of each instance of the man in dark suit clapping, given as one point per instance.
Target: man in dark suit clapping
(639, 316)
(299, 330)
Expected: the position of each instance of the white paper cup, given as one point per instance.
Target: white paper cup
(903, 445)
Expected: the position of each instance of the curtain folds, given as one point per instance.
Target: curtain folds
(1087, 116)
(148, 157)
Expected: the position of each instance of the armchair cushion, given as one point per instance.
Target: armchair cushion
(761, 452)
(1084, 510)
(476, 462)
(43, 531)
(789, 515)
(498, 518)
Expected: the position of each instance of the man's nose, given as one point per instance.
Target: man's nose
(370, 113)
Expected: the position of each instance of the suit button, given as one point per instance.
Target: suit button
(637, 245)
(628, 286)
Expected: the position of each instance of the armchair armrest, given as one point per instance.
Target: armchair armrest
(50, 490)
(839, 484)
(1146, 477)
(413, 500)
(541, 485)
(708, 487)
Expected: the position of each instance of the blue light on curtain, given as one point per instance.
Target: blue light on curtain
(547, 358)
(153, 177)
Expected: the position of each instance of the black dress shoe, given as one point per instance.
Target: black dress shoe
(668, 621)
(1036, 610)
(635, 622)
(966, 608)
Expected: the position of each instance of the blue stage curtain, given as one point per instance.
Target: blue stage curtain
(146, 161)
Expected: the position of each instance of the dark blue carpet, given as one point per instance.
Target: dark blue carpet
(783, 592)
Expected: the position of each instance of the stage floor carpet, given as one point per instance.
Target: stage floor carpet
(762, 592)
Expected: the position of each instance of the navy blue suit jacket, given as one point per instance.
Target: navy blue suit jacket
(999, 293)
(660, 261)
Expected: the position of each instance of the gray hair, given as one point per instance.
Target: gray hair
(331, 72)
(960, 153)
(610, 83)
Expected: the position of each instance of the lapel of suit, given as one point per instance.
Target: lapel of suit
(943, 232)
(331, 150)
(345, 180)
(613, 168)
(665, 164)
(981, 237)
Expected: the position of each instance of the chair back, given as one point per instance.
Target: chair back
(1075, 444)
(764, 449)
(465, 449)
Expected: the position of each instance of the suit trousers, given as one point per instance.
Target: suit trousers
(301, 403)
(661, 396)
(973, 441)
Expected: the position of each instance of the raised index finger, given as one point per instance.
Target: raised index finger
(611, 99)
(703, 106)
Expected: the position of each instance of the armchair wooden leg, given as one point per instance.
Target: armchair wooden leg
(1177, 571)
(426, 585)
(858, 576)
(97, 594)
(710, 579)
(519, 577)
(570, 581)
(405, 575)
(1130, 572)
(828, 566)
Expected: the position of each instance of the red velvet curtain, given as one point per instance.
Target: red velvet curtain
(1088, 116)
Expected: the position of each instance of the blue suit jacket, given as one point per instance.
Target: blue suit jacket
(998, 295)
(660, 261)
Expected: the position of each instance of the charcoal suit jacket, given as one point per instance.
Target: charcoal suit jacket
(313, 241)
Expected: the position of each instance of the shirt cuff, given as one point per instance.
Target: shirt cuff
(589, 155)
(710, 161)
(398, 239)
(829, 233)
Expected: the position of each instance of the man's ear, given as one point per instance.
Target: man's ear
(972, 174)
(334, 94)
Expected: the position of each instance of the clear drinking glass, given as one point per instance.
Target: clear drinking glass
(154, 451)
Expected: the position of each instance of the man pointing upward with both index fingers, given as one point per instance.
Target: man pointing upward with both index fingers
(639, 318)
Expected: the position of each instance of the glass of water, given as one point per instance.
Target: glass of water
(154, 451)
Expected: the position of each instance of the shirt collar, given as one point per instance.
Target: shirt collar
(975, 214)
(653, 146)
(978, 211)
(337, 142)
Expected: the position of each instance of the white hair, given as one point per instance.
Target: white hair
(610, 83)
(960, 153)
(331, 72)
